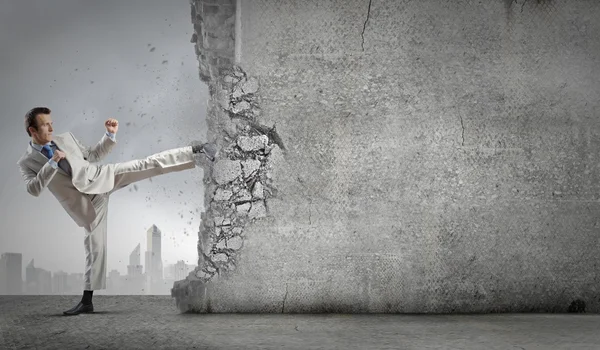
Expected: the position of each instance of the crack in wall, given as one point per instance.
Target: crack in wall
(523, 5)
(284, 298)
(365, 26)
(463, 129)
(310, 213)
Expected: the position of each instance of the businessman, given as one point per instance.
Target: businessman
(71, 172)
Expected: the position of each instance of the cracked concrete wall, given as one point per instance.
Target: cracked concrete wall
(429, 156)
(239, 182)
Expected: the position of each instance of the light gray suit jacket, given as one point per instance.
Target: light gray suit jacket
(71, 191)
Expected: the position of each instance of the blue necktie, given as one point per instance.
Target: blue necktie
(63, 164)
(49, 152)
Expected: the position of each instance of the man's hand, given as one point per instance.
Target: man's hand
(112, 125)
(58, 155)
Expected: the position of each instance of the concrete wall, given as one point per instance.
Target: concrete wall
(428, 156)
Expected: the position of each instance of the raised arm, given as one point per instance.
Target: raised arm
(100, 150)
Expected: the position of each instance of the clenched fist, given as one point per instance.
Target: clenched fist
(112, 125)
(58, 155)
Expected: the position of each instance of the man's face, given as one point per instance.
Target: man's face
(43, 134)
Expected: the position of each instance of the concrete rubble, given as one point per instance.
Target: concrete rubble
(243, 185)
(239, 183)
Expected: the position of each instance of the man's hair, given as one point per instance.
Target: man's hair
(30, 117)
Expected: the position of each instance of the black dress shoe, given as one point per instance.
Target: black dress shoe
(80, 308)
(209, 149)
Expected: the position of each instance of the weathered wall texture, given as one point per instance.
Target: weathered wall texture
(440, 156)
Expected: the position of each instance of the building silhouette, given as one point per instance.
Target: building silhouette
(114, 282)
(11, 274)
(37, 280)
(133, 282)
(135, 268)
(153, 260)
(178, 271)
(60, 282)
(44, 281)
(135, 256)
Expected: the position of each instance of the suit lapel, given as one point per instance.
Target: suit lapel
(59, 141)
(41, 159)
(36, 155)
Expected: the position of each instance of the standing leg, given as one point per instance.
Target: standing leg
(94, 277)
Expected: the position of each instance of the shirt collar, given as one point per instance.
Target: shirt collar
(38, 147)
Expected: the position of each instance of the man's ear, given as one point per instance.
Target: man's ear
(32, 130)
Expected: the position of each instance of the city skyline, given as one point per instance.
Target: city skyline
(122, 262)
(156, 279)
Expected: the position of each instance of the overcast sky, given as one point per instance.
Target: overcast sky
(89, 60)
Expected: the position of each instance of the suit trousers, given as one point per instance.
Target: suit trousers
(95, 242)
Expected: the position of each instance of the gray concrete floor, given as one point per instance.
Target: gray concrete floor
(153, 322)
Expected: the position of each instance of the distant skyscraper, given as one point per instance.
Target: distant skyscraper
(11, 274)
(38, 281)
(114, 282)
(31, 285)
(180, 270)
(169, 272)
(148, 263)
(174, 272)
(135, 256)
(74, 282)
(154, 269)
(60, 283)
(133, 283)
(44, 281)
(135, 268)
(154, 247)
(154, 242)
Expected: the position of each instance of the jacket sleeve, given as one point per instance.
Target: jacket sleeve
(99, 151)
(36, 183)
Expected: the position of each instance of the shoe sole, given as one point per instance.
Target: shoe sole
(212, 159)
(75, 314)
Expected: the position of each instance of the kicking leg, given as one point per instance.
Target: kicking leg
(172, 160)
(160, 163)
